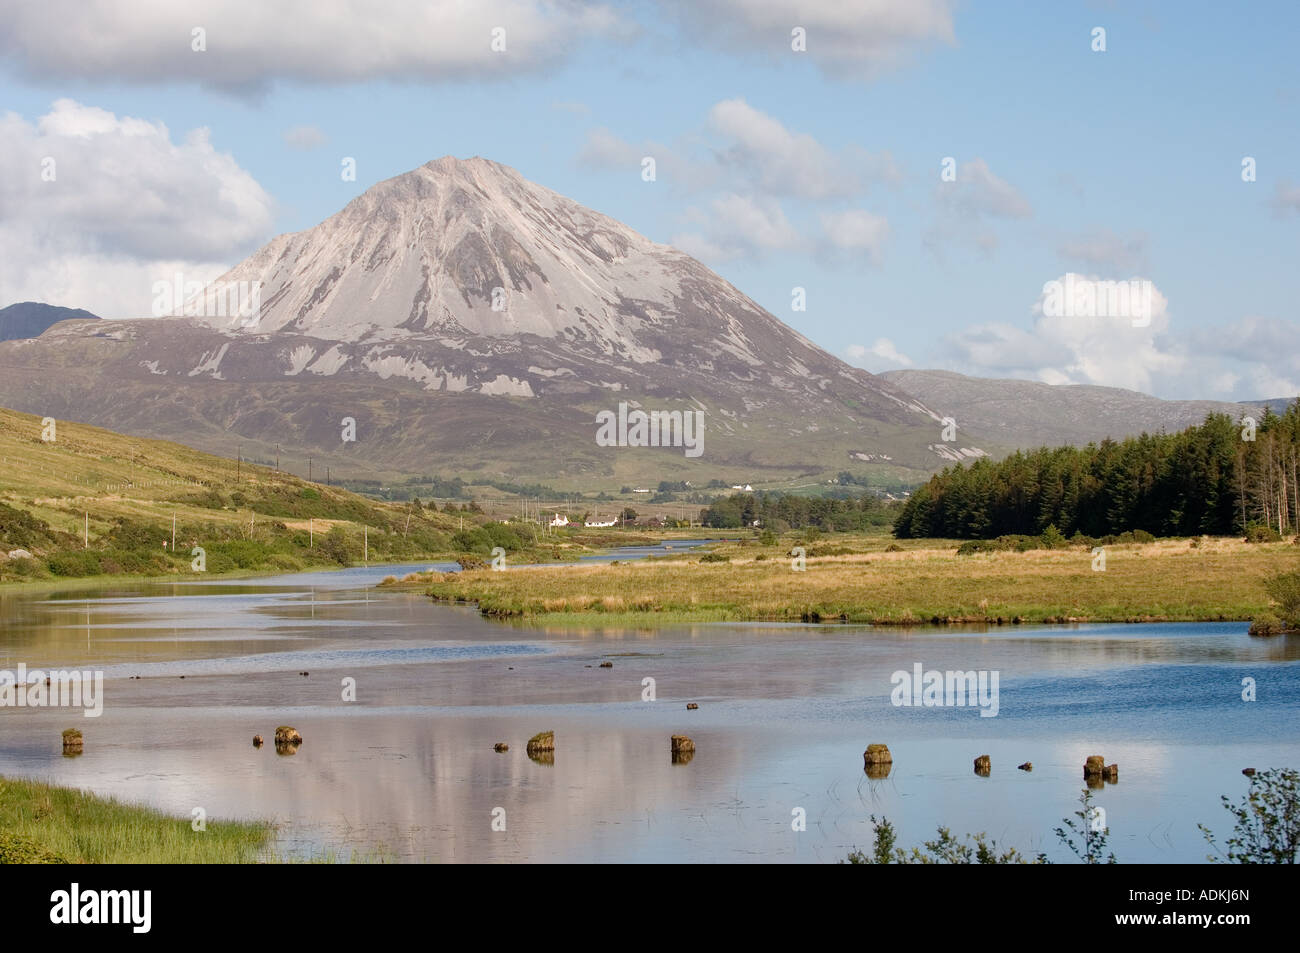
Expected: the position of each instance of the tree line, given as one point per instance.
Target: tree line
(1219, 478)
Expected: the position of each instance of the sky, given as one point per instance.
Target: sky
(929, 174)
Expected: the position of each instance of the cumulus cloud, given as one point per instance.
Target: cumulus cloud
(252, 43)
(758, 161)
(1100, 344)
(304, 138)
(98, 207)
(1104, 250)
(739, 226)
(881, 356)
(1252, 358)
(844, 40)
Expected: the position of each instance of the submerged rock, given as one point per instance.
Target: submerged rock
(681, 743)
(606, 664)
(983, 765)
(1248, 772)
(1094, 767)
(691, 706)
(257, 741)
(1027, 766)
(500, 746)
(1112, 773)
(72, 740)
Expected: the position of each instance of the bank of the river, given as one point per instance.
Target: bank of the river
(42, 823)
(872, 580)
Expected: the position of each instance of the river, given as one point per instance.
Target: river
(407, 770)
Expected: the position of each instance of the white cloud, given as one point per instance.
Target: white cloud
(1249, 359)
(1104, 250)
(782, 162)
(1105, 349)
(304, 138)
(737, 226)
(881, 356)
(966, 205)
(252, 43)
(856, 232)
(847, 40)
(127, 206)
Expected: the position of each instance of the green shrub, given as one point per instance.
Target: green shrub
(1259, 533)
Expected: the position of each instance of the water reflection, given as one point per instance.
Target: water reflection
(786, 711)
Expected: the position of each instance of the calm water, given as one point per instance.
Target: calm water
(785, 714)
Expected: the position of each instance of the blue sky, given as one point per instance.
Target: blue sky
(818, 169)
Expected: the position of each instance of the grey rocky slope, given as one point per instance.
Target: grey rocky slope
(1020, 413)
(471, 319)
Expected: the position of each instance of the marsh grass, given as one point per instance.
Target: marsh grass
(41, 823)
(925, 582)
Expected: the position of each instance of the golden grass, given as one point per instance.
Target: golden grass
(1169, 580)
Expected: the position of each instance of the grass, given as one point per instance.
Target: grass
(93, 503)
(855, 579)
(40, 823)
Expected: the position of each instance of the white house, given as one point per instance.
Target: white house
(601, 523)
(560, 520)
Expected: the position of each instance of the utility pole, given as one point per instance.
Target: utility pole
(327, 476)
(173, 531)
(311, 533)
(365, 553)
(309, 469)
(239, 462)
(87, 529)
(277, 458)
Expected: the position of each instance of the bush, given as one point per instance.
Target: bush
(1267, 821)
(1259, 533)
(715, 558)
(1284, 588)
(1142, 536)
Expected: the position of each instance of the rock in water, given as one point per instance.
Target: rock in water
(542, 741)
(1112, 773)
(691, 706)
(285, 735)
(606, 664)
(72, 740)
(1248, 772)
(1094, 767)
(1027, 766)
(877, 754)
(983, 765)
(257, 741)
(681, 743)
(500, 746)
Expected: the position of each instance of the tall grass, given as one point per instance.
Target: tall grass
(40, 823)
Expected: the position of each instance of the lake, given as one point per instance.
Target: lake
(408, 770)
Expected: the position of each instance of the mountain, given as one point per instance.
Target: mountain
(1020, 413)
(471, 321)
(29, 319)
(1276, 404)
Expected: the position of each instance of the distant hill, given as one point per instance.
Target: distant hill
(1275, 404)
(1020, 413)
(29, 319)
